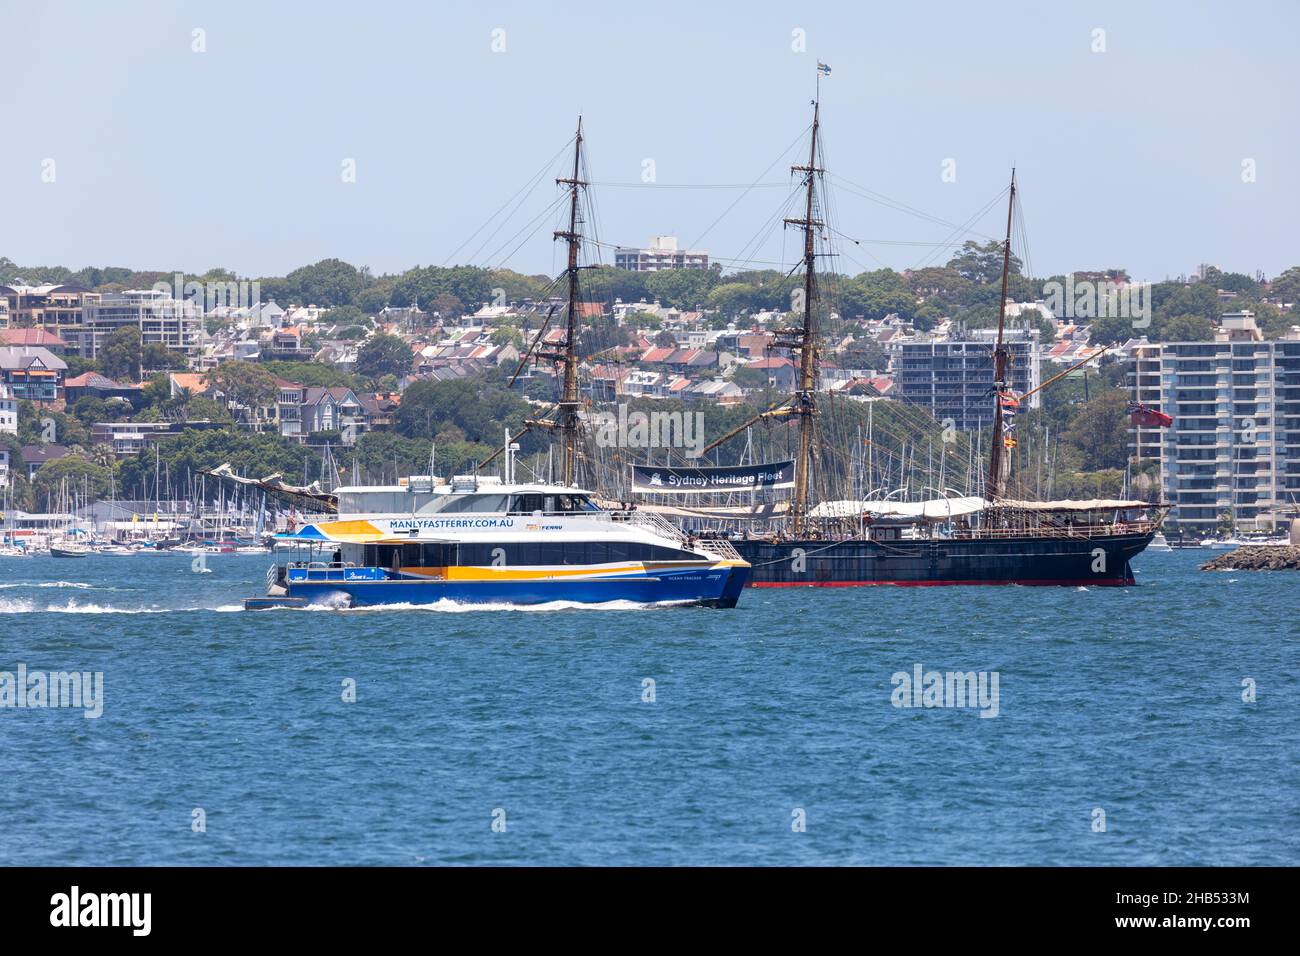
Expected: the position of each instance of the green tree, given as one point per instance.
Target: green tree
(982, 263)
(344, 315)
(1099, 431)
(372, 300)
(682, 288)
(448, 306)
(1287, 285)
(1187, 328)
(80, 474)
(246, 386)
(384, 354)
(330, 282)
(121, 353)
(315, 374)
(157, 357)
(480, 409)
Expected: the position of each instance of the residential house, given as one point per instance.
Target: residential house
(289, 408)
(34, 456)
(94, 385)
(337, 352)
(56, 308)
(33, 338)
(379, 409)
(131, 438)
(717, 391)
(284, 345)
(8, 411)
(332, 409)
(780, 371)
(35, 374)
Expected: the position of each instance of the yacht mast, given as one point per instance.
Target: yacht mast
(803, 340)
(567, 422)
(997, 465)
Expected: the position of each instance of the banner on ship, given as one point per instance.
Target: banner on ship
(652, 479)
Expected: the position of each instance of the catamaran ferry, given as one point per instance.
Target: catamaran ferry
(481, 541)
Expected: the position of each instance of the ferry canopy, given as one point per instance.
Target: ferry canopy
(936, 509)
(941, 509)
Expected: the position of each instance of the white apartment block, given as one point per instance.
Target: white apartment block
(662, 254)
(173, 323)
(1234, 447)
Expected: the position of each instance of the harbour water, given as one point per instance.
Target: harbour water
(542, 722)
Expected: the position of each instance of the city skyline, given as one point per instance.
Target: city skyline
(1129, 153)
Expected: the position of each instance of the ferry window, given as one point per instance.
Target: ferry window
(526, 504)
(383, 555)
(438, 555)
(477, 504)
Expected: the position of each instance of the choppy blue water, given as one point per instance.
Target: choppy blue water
(1127, 700)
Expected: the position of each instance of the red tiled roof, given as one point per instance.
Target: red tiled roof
(37, 337)
(95, 380)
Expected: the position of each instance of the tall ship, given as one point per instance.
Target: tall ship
(830, 540)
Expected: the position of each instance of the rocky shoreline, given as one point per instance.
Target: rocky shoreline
(1257, 558)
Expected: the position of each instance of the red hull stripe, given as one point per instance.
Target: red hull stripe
(1080, 582)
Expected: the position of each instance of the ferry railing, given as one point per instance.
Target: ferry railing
(657, 524)
(662, 527)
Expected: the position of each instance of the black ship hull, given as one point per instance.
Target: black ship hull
(1025, 560)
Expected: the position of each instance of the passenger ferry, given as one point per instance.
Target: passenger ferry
(481, 541)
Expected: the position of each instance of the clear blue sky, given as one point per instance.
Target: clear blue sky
(170, 159)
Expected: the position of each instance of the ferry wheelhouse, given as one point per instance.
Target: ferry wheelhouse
(482, 541)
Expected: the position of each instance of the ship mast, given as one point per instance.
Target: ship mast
(567, 421)
(1001, 355)
(803, 340)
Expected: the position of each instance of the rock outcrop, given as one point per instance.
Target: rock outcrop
(1257, 558)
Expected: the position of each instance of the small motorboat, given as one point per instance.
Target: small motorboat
(1159, 543)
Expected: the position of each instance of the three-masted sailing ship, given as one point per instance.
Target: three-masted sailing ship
(986, 539)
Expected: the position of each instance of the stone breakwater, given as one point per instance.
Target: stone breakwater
(1257, 558)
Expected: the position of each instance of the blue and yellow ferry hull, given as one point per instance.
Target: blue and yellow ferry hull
(714, 585)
